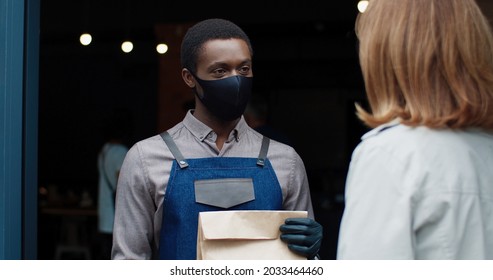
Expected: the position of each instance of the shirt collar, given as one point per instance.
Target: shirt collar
(201, 131)
(380, 128)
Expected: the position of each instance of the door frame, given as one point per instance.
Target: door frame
(19, 72)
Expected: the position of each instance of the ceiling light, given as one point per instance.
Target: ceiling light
(85, 39)
(362, 5)
(127, 46)
(162, 48)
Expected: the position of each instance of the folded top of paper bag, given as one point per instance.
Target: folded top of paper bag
(244, 224)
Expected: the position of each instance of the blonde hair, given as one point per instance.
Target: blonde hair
(426, 62)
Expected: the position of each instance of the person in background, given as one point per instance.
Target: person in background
(156, 210)
(110, 160)
(256, 115)
(420, 183)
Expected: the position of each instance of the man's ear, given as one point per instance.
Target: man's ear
(188, 77)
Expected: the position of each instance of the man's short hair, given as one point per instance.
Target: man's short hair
(206, 30)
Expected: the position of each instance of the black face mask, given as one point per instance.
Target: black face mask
(226, 98)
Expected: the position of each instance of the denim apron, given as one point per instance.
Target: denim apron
(212, 184)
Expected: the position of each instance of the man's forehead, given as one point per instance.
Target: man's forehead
(223, 50)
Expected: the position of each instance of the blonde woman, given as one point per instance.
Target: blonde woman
(420, 184)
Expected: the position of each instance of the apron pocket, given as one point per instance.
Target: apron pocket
(224, 193)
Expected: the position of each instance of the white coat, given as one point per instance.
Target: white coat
(419, 193)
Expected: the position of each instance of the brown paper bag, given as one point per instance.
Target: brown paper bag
(244, 235)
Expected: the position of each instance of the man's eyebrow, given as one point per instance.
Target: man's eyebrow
(248, 60)
(220, 64)
(217, 64)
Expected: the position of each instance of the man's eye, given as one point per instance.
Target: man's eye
(219, 72)
(245, 69)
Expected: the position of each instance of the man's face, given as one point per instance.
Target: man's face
(223, 80)
(224, 58)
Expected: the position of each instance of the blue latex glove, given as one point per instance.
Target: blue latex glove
(303, 235)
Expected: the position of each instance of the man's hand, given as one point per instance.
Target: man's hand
(303, 235)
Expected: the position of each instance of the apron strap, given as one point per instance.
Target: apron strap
(183, 163)
(174, 149)
(263, 151)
